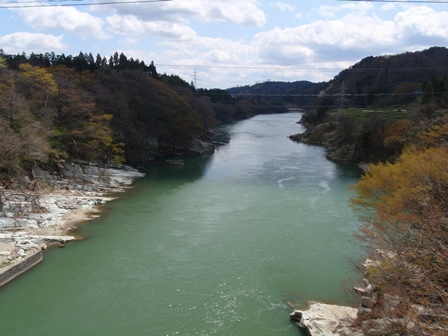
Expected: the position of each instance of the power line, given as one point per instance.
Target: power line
(303, 95)
(398, 1)
(230, 67)
(37, 2)
(77, 4)
(282, 68)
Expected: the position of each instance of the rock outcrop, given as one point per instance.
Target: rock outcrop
(325, 135)
(381, 313)
(326, 320)
(32, 219)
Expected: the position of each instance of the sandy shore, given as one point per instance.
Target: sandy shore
(68, 223)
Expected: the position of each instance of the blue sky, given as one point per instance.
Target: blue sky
(225, 43)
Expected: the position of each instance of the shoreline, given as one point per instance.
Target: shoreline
(22, 249)
(31, 221)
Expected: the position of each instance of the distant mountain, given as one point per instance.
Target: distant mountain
(297, 94)
(374, 81)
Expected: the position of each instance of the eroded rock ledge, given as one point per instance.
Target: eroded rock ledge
(32, 219)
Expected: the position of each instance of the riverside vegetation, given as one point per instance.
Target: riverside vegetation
(54, 107)
(402, 203)
(394, 122)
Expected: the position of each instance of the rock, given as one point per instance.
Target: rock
(36, 212)
(387, 327)
(324, 320)
(21, 252)
(199, 147)
(361, 291)
(368, 302)
(364, 313)
(175, 162)
(391, 304)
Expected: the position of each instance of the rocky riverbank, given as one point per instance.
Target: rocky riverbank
(325, 135)
(47, 212)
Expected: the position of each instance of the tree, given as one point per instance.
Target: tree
(23, 134)
(404, 210)
(82, 131)
(346, 129)
(153, 71)
(397, 135)
(428, 93)
(37, 84)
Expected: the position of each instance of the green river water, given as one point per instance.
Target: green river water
(215, 247)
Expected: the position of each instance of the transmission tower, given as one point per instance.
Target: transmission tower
(195, 78)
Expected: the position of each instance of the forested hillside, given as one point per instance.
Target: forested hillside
(370, 112)
(375, 81)
(388, 80)
(55, 107)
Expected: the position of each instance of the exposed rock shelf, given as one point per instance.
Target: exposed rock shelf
(32, 219)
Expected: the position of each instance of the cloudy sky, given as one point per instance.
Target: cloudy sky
(225, 43)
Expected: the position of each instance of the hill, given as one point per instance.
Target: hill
(375, 81)
(390, 80)
(300, 94)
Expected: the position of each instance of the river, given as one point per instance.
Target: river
(214, 247)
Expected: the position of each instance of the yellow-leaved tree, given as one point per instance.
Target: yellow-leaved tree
(404, 212)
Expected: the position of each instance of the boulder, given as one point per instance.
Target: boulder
(368, 302)
(364, 313)
(325, 320)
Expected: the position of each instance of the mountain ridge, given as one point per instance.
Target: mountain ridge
(373, 81)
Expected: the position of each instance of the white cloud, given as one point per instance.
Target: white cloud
(419, 25)
(314, 51)
(243, 12)
(20, 41)
(129, 24)
(353, 36)
(283, 6)
(388, 6)
(327, 11)
(361, 8)
(323, 40)
(210, 51)
(65, 18)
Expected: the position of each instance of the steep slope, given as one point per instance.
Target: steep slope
(387, 80)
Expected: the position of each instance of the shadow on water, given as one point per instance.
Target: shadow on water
(192, 169)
